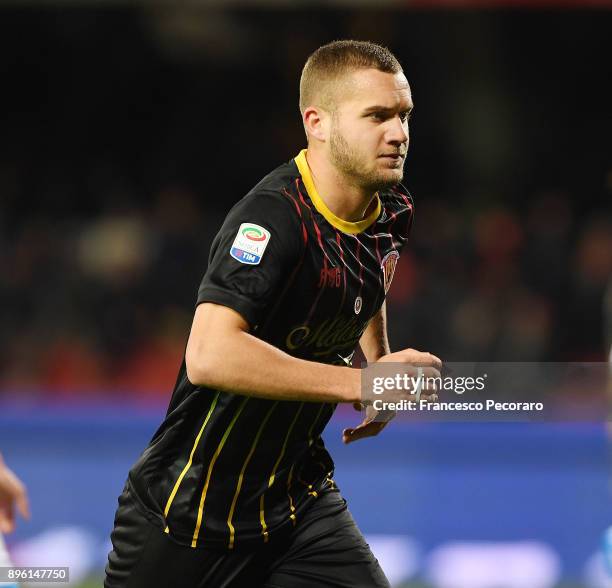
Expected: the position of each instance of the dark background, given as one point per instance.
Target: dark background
(127, 134)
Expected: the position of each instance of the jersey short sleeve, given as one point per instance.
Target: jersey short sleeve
(253, 256)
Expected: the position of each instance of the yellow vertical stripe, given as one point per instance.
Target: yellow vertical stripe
(190, 461)
(290, 478)
(262, 519)
(210, 468)
(284, 447)
(311, 492)
(291, 507)
(241, 476)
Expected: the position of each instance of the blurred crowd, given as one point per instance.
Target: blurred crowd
(119, 160)
(497, 284)
(105, 303)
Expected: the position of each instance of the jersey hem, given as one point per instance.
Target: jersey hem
(276, 533)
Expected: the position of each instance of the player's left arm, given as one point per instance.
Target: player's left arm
(374, 344)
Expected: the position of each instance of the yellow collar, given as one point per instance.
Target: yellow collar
(330, 217)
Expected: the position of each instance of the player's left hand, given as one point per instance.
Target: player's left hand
(371, 427)
(367, 428)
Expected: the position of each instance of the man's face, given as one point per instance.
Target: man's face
(368, 136)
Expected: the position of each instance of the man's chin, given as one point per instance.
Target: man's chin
(389, 178)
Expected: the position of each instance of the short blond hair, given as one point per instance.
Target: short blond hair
(332, 62)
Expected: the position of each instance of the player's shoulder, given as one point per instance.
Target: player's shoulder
(397, 199)
(270, 199)
(397, 210)
(278, 180)
(274, 190)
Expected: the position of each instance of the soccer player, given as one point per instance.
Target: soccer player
(235, 488)
(12, 493)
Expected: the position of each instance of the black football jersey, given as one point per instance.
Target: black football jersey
(230, 470)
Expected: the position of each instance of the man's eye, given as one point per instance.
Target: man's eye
(404, 116)
(377, 116)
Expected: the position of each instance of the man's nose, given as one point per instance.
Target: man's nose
(397, 133)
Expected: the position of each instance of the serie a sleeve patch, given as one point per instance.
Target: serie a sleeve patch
(250, 243)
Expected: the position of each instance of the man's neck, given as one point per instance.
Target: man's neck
(347, 201)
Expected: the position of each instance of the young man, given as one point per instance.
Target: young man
(235, 488)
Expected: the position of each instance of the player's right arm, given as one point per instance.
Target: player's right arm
(223, 355)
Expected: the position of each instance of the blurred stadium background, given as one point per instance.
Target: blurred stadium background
(122, 124)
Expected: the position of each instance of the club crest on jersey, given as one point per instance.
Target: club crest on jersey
(388, 267)
(250, 243)
(358, 304)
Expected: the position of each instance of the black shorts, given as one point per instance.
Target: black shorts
(325, 549)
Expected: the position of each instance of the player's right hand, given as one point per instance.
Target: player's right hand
(415, 363)
(420, 358)
(12, 493)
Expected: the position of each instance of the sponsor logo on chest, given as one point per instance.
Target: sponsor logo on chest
(327, 337)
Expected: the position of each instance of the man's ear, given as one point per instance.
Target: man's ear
(316, 123)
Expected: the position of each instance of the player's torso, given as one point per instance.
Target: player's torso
(229, 468)
(337, 286)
